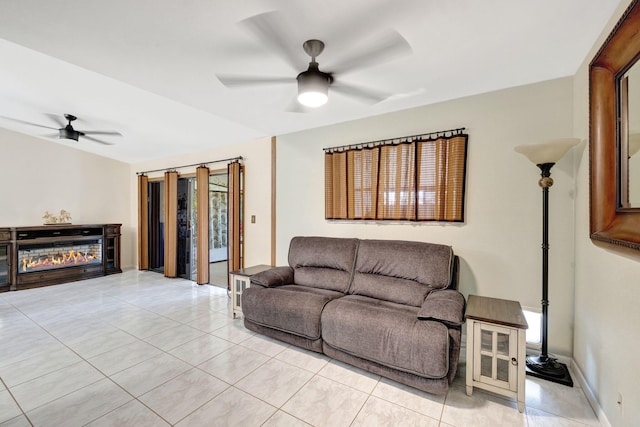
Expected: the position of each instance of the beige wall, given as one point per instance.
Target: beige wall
(39, 175)
(499, 244)
(606, 344)
(257, 185)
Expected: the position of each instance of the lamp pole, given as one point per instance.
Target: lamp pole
(543, 366)
(545, 182)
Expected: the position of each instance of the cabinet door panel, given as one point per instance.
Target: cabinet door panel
(495, 347)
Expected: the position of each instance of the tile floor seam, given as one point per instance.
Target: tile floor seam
(65, 395)
(291, 397)
(439, 419)
(347, 385)
(199, 407)
(124, 404)
(296, 366)
(239, 379)
(355, 417)
(16, 402)
(209, 373)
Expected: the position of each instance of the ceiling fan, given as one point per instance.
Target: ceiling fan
(68, 131)
(313, 84)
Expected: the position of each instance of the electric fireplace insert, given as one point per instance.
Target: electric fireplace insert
(52, 254)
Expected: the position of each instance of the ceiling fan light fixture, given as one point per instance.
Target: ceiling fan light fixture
(313, 88)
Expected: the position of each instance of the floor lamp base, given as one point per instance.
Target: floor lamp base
(548, 368)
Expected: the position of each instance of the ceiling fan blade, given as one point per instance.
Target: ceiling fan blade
(24, 122)
(383, 49)
(236, 81)
(100, 132)
(368, 96)
(295, 107)
(57, 119)
(90, 138)
(267, 27)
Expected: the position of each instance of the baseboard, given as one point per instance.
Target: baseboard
(591, 397)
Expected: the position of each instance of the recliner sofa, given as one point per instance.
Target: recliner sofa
(387, 306)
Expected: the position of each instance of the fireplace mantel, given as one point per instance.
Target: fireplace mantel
(58, 253)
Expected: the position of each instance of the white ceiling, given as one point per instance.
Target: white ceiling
(147, 68)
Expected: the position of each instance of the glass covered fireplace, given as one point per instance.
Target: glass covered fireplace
(59, 254)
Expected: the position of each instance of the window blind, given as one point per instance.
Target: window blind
(418, 180)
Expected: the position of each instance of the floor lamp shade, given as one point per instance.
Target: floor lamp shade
(549, 152)
(545, 156)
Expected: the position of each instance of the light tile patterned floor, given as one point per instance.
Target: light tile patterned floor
(137, 349)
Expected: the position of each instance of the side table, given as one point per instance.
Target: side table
(240, 280)
(496, 347)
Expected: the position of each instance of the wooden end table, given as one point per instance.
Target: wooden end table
(496, 347)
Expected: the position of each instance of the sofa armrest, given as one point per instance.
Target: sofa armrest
(446, 306)
(276, 276)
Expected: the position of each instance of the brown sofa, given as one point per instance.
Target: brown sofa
(389, 307)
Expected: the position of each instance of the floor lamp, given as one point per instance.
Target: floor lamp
(545, 156)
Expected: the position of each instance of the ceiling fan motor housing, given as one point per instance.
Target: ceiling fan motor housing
(313, 86)
(68, 132)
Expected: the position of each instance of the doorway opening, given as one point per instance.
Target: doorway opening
(156, 226)
(218, 229)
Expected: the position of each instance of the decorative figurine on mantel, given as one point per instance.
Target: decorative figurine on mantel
(63, 218)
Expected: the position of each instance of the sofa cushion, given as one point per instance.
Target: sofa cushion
(323, 262)
(400, 271)
(387, 333)
(290, 308)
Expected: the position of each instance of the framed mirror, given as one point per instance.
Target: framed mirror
(614, 110)
(628, 87)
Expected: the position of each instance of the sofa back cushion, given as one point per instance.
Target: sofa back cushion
(323, 262)
(400, 271)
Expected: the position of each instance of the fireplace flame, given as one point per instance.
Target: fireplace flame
(64, 259)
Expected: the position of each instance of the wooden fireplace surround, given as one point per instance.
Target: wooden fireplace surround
(12, 237)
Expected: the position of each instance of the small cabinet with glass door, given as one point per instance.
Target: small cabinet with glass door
(496, 347)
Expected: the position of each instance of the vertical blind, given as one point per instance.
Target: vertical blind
(235, 218)
(202, 225)
(143, 222)
(171, 224)
(417, 180)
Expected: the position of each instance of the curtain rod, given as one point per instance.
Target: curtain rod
(186, 166)
(395, 141)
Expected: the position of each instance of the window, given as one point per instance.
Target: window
(534, 320)
(419, 180)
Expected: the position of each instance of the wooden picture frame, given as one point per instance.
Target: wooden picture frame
(611, 225)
